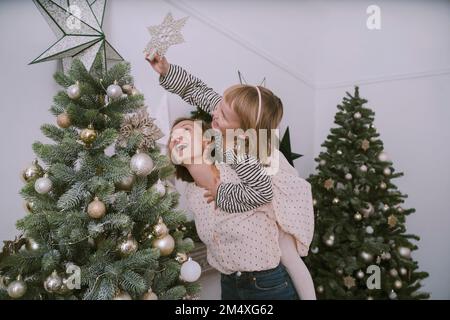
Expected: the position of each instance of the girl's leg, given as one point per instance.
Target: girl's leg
(296, 267)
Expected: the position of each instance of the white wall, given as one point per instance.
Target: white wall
(310, 51)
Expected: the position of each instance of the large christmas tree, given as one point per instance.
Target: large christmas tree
(360, 249)
(102, 221)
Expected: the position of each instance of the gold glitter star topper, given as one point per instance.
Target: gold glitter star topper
(165, 35)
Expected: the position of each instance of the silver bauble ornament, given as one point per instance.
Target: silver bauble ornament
(17, 288)
(149, 295)
(53, 282)
(398, 284)
(335, 200)
(339, 271)
(315, 250)
(314, 202)
(126, 184)
(190, 271)
(322, 162)
(387, 171)
(122, 295)
(128, 246)
(405, 252)
(357, 115)
(165, 244)
(360, 274)
(32, 172)
(383, 185)
(320, 289)
(339, 152)
(392, 295)
(357, 216)
(393, 272)
(141, 164)
(403, 271)
(96, 209)
(348, 176)
(363, 168)
(329, 241)
(367, 257)
(74, 91)
(114, 91)
(43, 185)
(385, 207)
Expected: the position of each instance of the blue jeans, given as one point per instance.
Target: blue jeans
(272, 284)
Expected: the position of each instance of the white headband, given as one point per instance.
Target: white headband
(259, 104)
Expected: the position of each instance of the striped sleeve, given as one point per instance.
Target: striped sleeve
(254, 190)
(189, 88)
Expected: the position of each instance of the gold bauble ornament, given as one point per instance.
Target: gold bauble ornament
(29, 206)
(126, 184)
(88, 135)
(128, 246)
(127, 88)
(63, 120)
(96, 209)
(149, 295)
(122, 295)
(398, 284)
(165, 244)
(160, 229)
(31, 245)
(135, 92)
(32, 172)
(53, 282)
(357, 216)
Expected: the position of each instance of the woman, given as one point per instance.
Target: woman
(245, 247)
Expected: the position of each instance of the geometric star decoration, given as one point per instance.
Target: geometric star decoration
(285, 148)
(165, 35)
(78, 26)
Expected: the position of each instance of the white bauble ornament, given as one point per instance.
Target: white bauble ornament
(320, 289)
(190, 271)
(363, 168)
(339, 152)
(383, 157)
(322, 162)
(387, 171)
(315, 250)
(126, 184)
(141, 164)
(403, 271)
(74, 91)
(17, 288)
(348, 176)
(160, 188)
(405, 252)
(398, 284)
(43, 185)
(32, 245)
(383, 185)
(335, 200)
(357, 115)
(369, 230)
(114, 91)
(53, 282)
(357, 216)
(360, 274)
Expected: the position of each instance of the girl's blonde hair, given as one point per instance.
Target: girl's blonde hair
(244, 100)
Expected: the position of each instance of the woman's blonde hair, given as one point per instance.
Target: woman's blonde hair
(244, 100)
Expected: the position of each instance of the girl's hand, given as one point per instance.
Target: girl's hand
(159, 64)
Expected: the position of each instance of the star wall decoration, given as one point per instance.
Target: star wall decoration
(165, 35)
(78, 26)
(285, 148)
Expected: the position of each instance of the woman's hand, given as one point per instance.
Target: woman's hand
(159, 64)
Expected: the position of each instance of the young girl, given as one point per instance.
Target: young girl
(254, 190)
